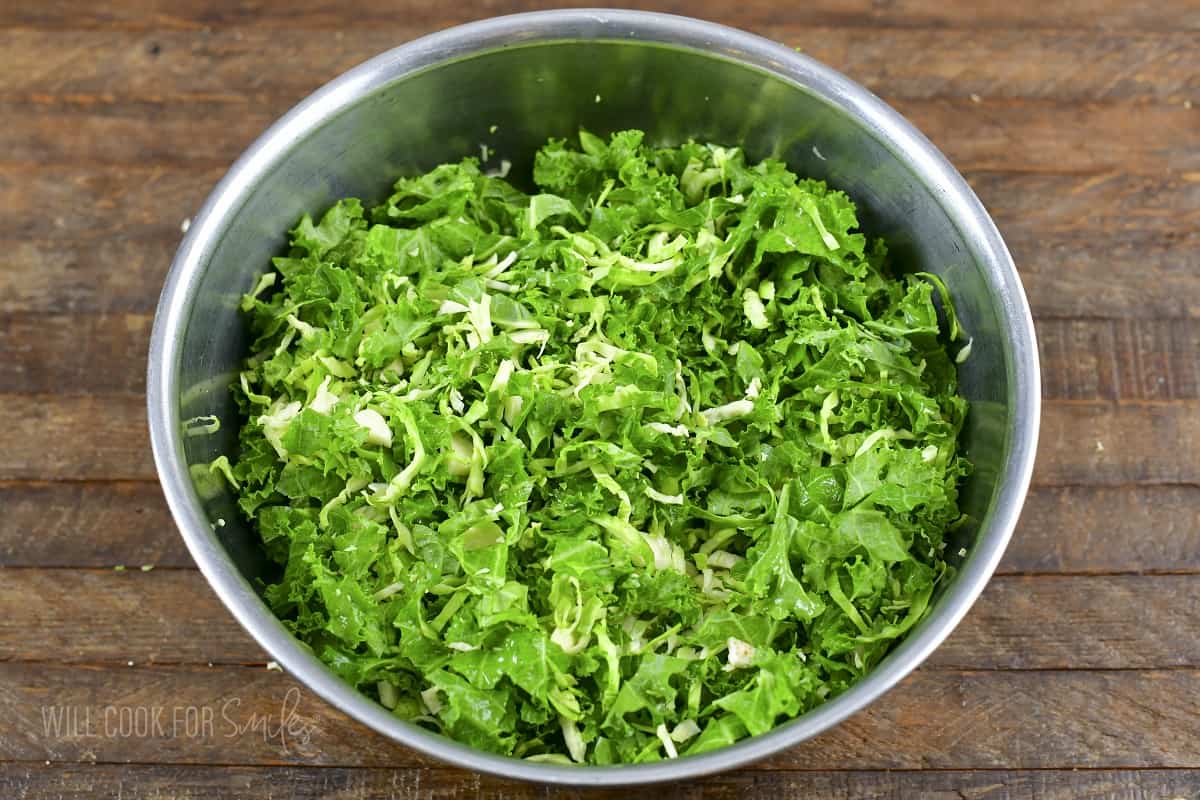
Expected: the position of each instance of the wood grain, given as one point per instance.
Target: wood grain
(1076, 674)
(75, 437)
(1086, 359)
(1168, 15)
(172, 617)
(1054, 622)
(1119, 360)
(1081, 529)
(142, 782)
(1142, 275)
(200, 133)
(1097, 444)
(933, 720)
(114, 275)
(1063, 530)
(225, 65)
(1116, 202)
(103, 524)
(89, 258)
(1027, 136)
(1145, 276)
(92, 353)
(1002, 134)
(153, 203)
(104, 437)
(1008, 720)
(100, 205)
(154, 200)
(164, 616)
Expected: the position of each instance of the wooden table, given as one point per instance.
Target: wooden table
(1076, 675)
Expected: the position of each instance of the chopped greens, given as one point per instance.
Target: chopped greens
(634, 466)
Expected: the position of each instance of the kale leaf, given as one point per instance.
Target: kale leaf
(636, 466)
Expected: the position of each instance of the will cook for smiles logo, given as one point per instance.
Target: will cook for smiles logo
(284, 727)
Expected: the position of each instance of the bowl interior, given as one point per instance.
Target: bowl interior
(513, 96)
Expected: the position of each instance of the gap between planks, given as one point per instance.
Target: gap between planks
(1000, 572)
(446, 767)
(1167, 15)
(132, 780)
(217, 663)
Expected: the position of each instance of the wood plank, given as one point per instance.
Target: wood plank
(164, 617)
(1168, 15)
(1080, 529)
(99, 275)
(103, 437)
(101, 204)
(1069, 65)
(156, 200)
(1002, 134)
(1145, 276)
(172, 617)
(196, 133)
(1029, 135)
(1007, 720)
(153, 782)
(113, 248)
(88, 525)
(121, 201)
(1098, 444)
(92, 353)
(1088, 359)
(1119, 360)
(1068, 529)
(1050, 622)
(103, 66)
(1113, 202)
(934, 720)
(72, 437)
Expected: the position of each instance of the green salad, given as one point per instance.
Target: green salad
(632, 467)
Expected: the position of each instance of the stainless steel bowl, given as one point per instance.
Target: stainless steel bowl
(534, 76)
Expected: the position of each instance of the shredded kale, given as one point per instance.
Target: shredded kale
(633, 467)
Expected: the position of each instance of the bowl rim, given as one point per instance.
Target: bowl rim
(541, 27)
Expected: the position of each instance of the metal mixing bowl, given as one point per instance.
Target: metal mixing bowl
(546, 74)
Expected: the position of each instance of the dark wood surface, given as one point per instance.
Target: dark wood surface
(1076, 675)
